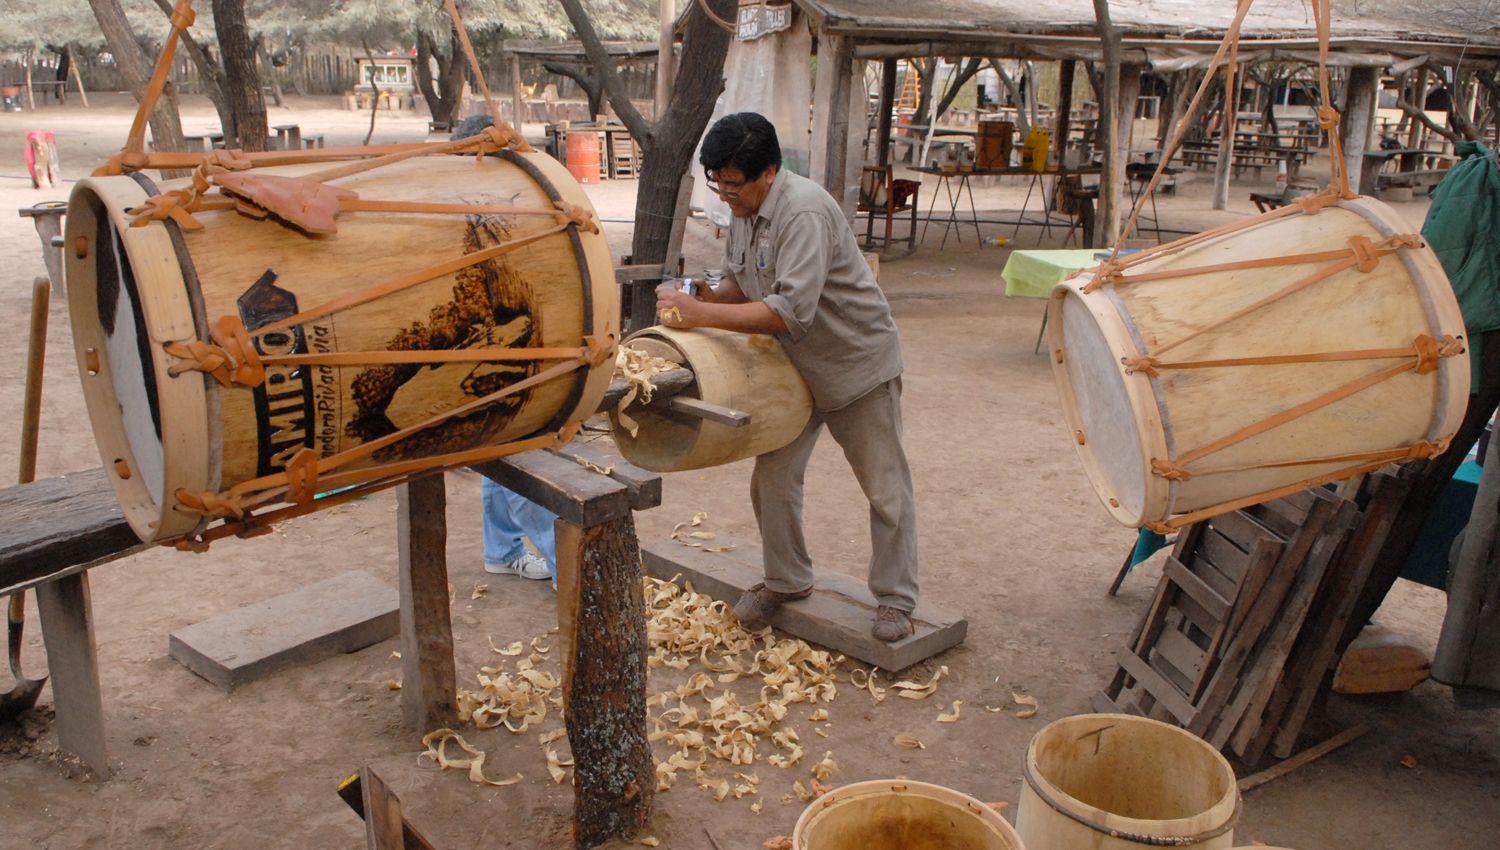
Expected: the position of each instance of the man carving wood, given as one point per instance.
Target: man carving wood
(794, 271)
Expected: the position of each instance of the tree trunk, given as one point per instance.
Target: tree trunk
(242, 80)
(1013, 91)
(1107, 227)
(965, 74)
(667, 145)
(135, 69)
(927, 71)
(444, 95)
(270, 70)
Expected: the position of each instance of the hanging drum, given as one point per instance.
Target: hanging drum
(1307, 345)
(298, 333)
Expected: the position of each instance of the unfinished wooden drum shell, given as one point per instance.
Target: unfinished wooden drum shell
(141, 285)
(1303, 346)
(747, 372)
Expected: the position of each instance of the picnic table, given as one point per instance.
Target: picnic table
(1032, 273)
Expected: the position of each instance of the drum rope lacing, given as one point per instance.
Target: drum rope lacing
(310, 204)
(1361, 254)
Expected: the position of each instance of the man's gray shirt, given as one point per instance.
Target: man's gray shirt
(798, 256)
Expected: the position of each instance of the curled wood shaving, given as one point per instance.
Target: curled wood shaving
(638, 368)
(479, 590)
(779, 842)
(826, 767)
(917, 690)
(536, 648)
(683, 535)
(994, 708)
(548, 737)
(436, 742)
(671, 316)
(952, 717)
(868, 676)
(758, 805)
(802, 792)
(392, 685)
(650, 841)
(555, 765)
(819, 789)
(1029, 703)
(909, 742)
(818, 715)
(515, 648)
(590, 465)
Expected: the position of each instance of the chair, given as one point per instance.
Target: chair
(879, 196)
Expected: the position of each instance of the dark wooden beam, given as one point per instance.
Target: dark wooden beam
(429, 680)
(883, 118)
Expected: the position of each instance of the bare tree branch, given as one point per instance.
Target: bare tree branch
(1421, 117)
(966, 73)
(642, 129)
(580, 75)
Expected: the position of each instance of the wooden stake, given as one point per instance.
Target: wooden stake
(30, 98)
(517, 96)
(77, 77)
(1311, 754)
(36, 355)
(428, 678)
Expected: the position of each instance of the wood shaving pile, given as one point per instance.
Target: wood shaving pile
(705, 724)
(515, 700)
(638, 368)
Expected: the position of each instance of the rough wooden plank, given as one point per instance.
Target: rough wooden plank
(668, 383)
(604, 681)
(382, 813)
(1241, 530)
(342, 614)
(1215, 604)
(1186, 656)
(838, 615)
(699, 409)
(1255, 780)
(429, 680)
(58, 526)
(571, 491)
(1153, 682)
(1227, 557)
(67, 618)
(643, 485)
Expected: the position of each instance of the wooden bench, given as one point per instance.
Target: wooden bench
(59, 528)
(312, 140)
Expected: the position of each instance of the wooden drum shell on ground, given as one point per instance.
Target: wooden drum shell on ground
(747, 372)
(551, 293)
(1123, 419)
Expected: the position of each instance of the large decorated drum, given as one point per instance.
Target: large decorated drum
(300, 331)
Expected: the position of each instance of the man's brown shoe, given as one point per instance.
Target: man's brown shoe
(758, 604)
(891, 624)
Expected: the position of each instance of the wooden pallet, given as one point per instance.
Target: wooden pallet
(1242, 634)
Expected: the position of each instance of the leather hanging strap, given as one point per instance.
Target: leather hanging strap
(181, 18)
(230, 359)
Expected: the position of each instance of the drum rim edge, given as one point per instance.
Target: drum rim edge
(1143, 402)
(185, 438)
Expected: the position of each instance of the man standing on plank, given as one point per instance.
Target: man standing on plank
(793, 270)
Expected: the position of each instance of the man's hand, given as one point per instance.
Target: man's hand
(677, 309)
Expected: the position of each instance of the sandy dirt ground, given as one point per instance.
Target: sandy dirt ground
(1011, 535)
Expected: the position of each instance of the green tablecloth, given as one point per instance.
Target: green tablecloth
(1033, 273)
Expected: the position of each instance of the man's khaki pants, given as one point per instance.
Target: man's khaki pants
(869, 432)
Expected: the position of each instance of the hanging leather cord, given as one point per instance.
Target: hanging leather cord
(181, 18)
(484, 86)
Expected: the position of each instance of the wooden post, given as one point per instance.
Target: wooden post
(517, 98)
(1359, 119)
(67, 618)
(1066, 70)
(30, 98)
(831, 113)
(883, 118)
(680, 214)
(1130, 93)
(1419, 99)
(601, 617)
(1223, 168)
(1107, 230)
(666, 37)
(382, 813)
(77, 77)
(429, 681)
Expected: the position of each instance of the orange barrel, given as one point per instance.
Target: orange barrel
(583, 156)
(994, 143)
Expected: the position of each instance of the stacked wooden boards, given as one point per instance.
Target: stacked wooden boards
(1245, 625)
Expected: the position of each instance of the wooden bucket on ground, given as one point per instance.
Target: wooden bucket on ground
(382, 349)
(899, 814)
(747, 372)
(1306, 345)
(993, 143)
(1117, 781)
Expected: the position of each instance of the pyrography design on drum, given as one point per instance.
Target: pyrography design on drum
(491, 308)
(284, 403)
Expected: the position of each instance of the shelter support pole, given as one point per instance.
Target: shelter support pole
(831, 96)
(428, 674)
(1419, 97)
(517, 99)
(664, 57)
(1359, 120)
(883, 117)
(1067, 68)
(1225, 166)
(1130, 94)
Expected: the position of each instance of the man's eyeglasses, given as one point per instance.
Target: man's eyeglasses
(728, 193)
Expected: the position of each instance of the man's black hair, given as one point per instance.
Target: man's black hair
(744, 140)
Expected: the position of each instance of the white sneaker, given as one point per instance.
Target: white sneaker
(526, 566)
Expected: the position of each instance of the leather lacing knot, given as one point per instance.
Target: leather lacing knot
(579, 216)
(302, 476)
(1366, 258)
(231, 358)
(183, 14)
(1169, 470)
(226, 505)
(597, 352)
(1145, 363)
(1328, 117)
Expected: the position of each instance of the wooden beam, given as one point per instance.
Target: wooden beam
(668, 383)
(67, 618)
(1359, 119)
(831, 113)
(383, 822)
(517, 99)
(603, 628)
(429, 681)
(1066, 71)
(699, 409)
(561, 486)
(1224, 167)
(883, 117)
(59, 526)
(1255, 780)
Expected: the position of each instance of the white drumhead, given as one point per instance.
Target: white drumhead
(129, 358)
(1097, 403)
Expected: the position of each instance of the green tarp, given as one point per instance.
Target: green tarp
(1463, 228)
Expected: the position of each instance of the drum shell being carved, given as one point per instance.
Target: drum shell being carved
(746, 372)
(159, 433)
(1123, 418)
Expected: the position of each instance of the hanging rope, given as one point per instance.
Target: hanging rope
(484, 86)
(181, 18)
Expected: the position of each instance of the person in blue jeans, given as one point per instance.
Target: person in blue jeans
(509, 519)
